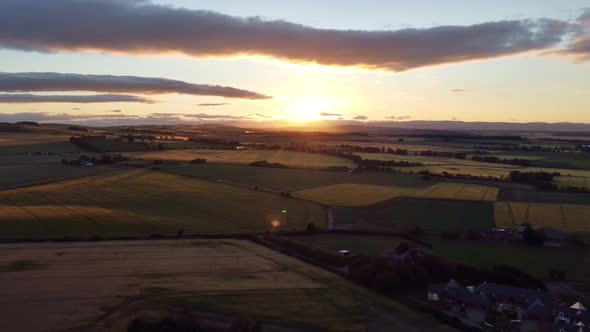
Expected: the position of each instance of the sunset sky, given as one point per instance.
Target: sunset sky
(375, 60)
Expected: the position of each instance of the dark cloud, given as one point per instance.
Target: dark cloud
(263, 116)
(61, 117)
(329, 114)
(137, 26)
(398, 118)
(458, 90)
(361, 117)
(8, 98)
(27, 82)
(213, 104)
(116, 111)
(579, 45)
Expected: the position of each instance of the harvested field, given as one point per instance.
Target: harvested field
(569, 217)
(135, 202)
(288, 158)
(348, 194)
(108, 283)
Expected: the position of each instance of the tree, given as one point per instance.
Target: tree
(533, 237)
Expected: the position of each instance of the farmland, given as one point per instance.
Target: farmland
(347, 194)
(146, 202)
(290, 179)
(17, 175)
(534, 260)
(570, 217)
(288, 158)
(404, 213)
(110, 283)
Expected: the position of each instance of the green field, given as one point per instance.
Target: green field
(433, 215)
(537, 196)
(12, 176)
(430, 160)
(356, 244)
(144, 202)
(288, 158)
(289, 179)
(348, 194)
(534, 260)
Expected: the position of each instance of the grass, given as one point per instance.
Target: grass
(431, 214)
(143, 202)
(289, 179)
(347, 194)
(288, 158)
(534, 260)
(357, 244)
(569, 217)
(426, 160)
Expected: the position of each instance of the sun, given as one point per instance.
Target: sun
(310, 108)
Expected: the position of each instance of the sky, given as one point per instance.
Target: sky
(261, 60)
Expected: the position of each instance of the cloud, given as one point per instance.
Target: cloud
(141, 27)
(8, 98)
(61, 117)
(579, 46)
(28, 82)
(398, 118)
(263, 116)
(75, 109)
(116, 111)
(201, 116)
(329, 114)
(361, 117)
(459, 90)
(212, 104)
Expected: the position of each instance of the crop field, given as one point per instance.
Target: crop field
(282, 179)
(431, 160)
(569, 217)
(109, 283)
(404, 213)
(537, 196)
(572, 181)
(20, 175)
(288, 158)
(135, 202)
(348, 194)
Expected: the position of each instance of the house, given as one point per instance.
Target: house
(525, 308)
(572, 318)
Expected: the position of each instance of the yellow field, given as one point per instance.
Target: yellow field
(288, 158)
(348, 194)
(146, 202)
(569, 217)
